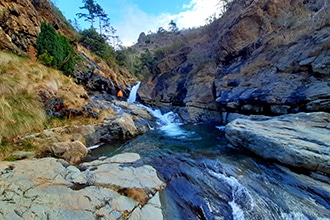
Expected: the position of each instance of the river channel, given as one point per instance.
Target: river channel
(207, 178)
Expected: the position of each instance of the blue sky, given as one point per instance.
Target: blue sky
(131, 17)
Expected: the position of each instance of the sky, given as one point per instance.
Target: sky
(131, 17)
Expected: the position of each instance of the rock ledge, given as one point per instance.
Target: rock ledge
(121, 187)
(301, 140)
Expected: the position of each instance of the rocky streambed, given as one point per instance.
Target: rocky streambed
(126, 187)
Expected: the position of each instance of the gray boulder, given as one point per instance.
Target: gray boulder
(300, 140)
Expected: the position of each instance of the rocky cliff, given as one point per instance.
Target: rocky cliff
(261, 57)
(21, 20)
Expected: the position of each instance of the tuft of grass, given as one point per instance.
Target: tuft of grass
(20, 113)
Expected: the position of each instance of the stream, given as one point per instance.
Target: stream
(208, 179)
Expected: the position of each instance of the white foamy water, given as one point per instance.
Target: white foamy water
(132, 94)
(169, 123)
(241, 198)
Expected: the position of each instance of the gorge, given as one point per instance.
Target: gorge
(226, 121)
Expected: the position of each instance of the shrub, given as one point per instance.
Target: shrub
(67, 58)
(32, 53)
(54, 49)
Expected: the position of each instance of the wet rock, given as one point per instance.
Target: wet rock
(120, 128)
(134, 109)
(298, 140)
(192, 114)
(44, 188)
(73, 152)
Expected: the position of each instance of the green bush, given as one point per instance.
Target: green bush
(68, 57)
(54, 49)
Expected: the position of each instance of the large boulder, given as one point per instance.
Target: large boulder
(118, 128)
(299, 140)
(73, 152)
(112, 188)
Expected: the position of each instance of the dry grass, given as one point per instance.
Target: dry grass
(21, 111)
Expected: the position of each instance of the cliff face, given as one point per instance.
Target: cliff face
(275, 59)
(263, 56)
(21, 20)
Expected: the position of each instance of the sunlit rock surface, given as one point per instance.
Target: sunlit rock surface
(300, 140)
(112, 188)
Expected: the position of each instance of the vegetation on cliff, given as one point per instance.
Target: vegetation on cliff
(55, 49)
(34, 97)
(260, 57)
(22, 84)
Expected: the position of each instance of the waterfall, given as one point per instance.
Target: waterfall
(169, 123)
(132, 94)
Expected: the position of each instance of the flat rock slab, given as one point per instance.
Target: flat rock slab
(301, 140)
(103, 189)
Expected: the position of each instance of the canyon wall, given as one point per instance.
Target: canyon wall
(261, 57)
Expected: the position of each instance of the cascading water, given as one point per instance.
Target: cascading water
(169, 123)
(209, 179)
(132, 94)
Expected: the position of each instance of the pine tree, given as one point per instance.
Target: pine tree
(172, 26)
(93, 10)
(47, 43)
(67, 55)
(103, 17)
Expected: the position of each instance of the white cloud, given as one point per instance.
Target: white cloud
(190, 5)
(198, 11)
(136, 21)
